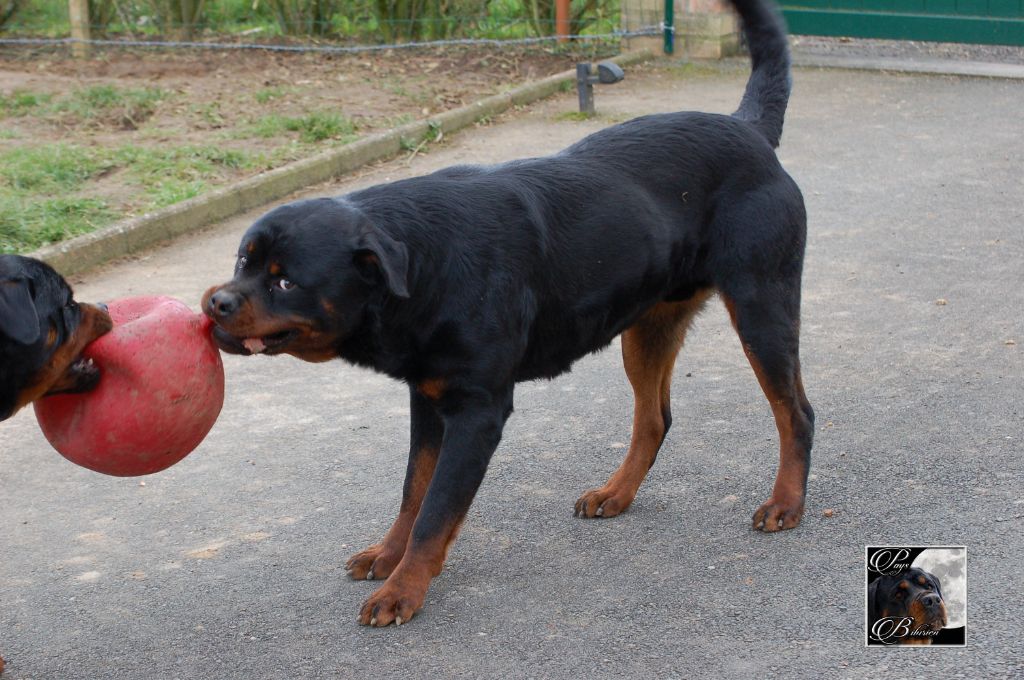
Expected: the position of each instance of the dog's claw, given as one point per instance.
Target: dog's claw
(369, 575)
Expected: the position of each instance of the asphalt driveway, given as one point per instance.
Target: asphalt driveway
(231, 564)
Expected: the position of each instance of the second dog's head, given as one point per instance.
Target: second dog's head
(914, 593)
(42, 334)
(304, 275)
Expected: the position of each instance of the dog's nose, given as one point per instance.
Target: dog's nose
(224, 303)
(931, 601)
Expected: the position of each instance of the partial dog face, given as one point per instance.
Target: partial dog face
(304, 275)
(42, 334)
(915, 593)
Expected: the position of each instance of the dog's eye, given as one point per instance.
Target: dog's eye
(242, 261)
(285, 284)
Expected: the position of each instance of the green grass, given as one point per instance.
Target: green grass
(48, 168)
(694, 69)
(268, 94)
(98, 100)
(574, 116)
(168, 176)
(21, 102)
(27, 223)
(86, 104)
(44, 190)
(313, 127)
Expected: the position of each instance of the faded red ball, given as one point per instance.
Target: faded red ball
(161, 389)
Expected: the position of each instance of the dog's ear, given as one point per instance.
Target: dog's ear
(873, 607)
(935, 582)
(18, 318)
(378, 250)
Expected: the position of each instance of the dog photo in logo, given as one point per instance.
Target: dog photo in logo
(916, 596)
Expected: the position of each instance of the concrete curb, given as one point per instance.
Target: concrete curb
(945, 67)
(133, 235)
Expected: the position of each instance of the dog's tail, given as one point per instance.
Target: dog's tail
(764, 100)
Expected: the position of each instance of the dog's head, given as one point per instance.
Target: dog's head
(42, 334)
(914, 593)
(304, 276)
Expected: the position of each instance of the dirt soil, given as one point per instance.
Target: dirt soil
(371, 88)
(219, 98)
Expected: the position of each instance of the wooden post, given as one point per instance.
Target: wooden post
(562, 19)
(78, 10)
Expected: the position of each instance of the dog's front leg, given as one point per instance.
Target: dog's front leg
(472, 430)
(427, 428)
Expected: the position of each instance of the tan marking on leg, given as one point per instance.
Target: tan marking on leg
(380, 559)
(785, 508)
(432, 389)
(649, 350)
(405, 590)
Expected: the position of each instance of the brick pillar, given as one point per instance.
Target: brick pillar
(705, 29)
(638, 14)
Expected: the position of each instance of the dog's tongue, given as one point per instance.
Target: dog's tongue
(254, 345)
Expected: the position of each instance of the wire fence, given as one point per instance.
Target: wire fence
(325, 26)
(337, 49)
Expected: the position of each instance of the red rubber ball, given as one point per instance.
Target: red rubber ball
(161, 389)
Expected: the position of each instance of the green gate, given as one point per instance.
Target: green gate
(997, 22)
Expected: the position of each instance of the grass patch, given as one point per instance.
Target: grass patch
(695, 69)
(107, 103)
(21, 102)
(574, 116)
(26, 223)
(41, 188)
(209, 113)
(48, 168)
(125, 107)
(169, 176)
(314, 127)
(268, 94)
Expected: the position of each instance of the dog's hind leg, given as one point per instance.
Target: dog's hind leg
(649, 350)
(766, 315)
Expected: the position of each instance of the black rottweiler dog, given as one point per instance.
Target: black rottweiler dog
(468, 280)
(913, 596)
(42, 334)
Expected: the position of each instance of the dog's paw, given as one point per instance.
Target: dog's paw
(603, 502)
(394, 602)
(374, 563)
(778, 514)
